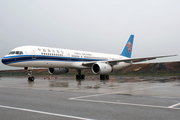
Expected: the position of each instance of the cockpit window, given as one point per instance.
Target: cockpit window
(21, 52)
(12, 52)
(16, 52)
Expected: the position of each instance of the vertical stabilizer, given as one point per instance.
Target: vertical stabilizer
(128, 47)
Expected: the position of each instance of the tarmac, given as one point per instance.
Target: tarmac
(124, 98)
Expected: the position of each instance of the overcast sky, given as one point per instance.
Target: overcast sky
(92, 25)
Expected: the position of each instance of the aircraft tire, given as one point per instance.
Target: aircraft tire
(82, 77)
(31, 79)
(107, 77)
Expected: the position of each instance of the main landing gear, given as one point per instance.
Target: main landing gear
(104, 78)
(79, 77)
(30, 76)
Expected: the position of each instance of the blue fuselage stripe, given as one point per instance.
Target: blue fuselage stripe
(25, 58)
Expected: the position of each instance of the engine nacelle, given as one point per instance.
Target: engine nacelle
(57, 71)
(101, 68)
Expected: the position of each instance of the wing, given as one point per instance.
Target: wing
(128, 60)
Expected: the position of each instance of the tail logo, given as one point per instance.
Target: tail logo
(129, 46)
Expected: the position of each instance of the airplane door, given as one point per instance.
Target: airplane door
(68, 56)
(33, 52)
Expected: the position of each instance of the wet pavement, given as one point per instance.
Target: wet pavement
(167, 86)
(62, 98)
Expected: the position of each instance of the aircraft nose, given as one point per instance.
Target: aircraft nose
(3, 60)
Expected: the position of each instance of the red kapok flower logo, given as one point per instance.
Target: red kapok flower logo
(129, 46)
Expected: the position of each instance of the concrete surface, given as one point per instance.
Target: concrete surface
(61, 98)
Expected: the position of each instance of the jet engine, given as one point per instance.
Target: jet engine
(101, 68)
(57, 71)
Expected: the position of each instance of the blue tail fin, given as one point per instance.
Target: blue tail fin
(128, 47)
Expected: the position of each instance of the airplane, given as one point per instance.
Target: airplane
(59, 61)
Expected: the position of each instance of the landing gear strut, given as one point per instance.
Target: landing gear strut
(79, 77)
(30, 77)
(104, 78)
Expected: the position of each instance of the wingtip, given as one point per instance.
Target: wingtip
(173, 55)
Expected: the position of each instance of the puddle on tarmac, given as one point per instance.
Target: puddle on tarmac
(68, 83)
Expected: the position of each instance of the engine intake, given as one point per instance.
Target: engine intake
(101, 68)
(57, 71)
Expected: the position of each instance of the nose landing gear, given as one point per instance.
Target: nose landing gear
(31, 78)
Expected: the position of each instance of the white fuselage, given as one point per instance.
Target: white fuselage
(46, 57)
